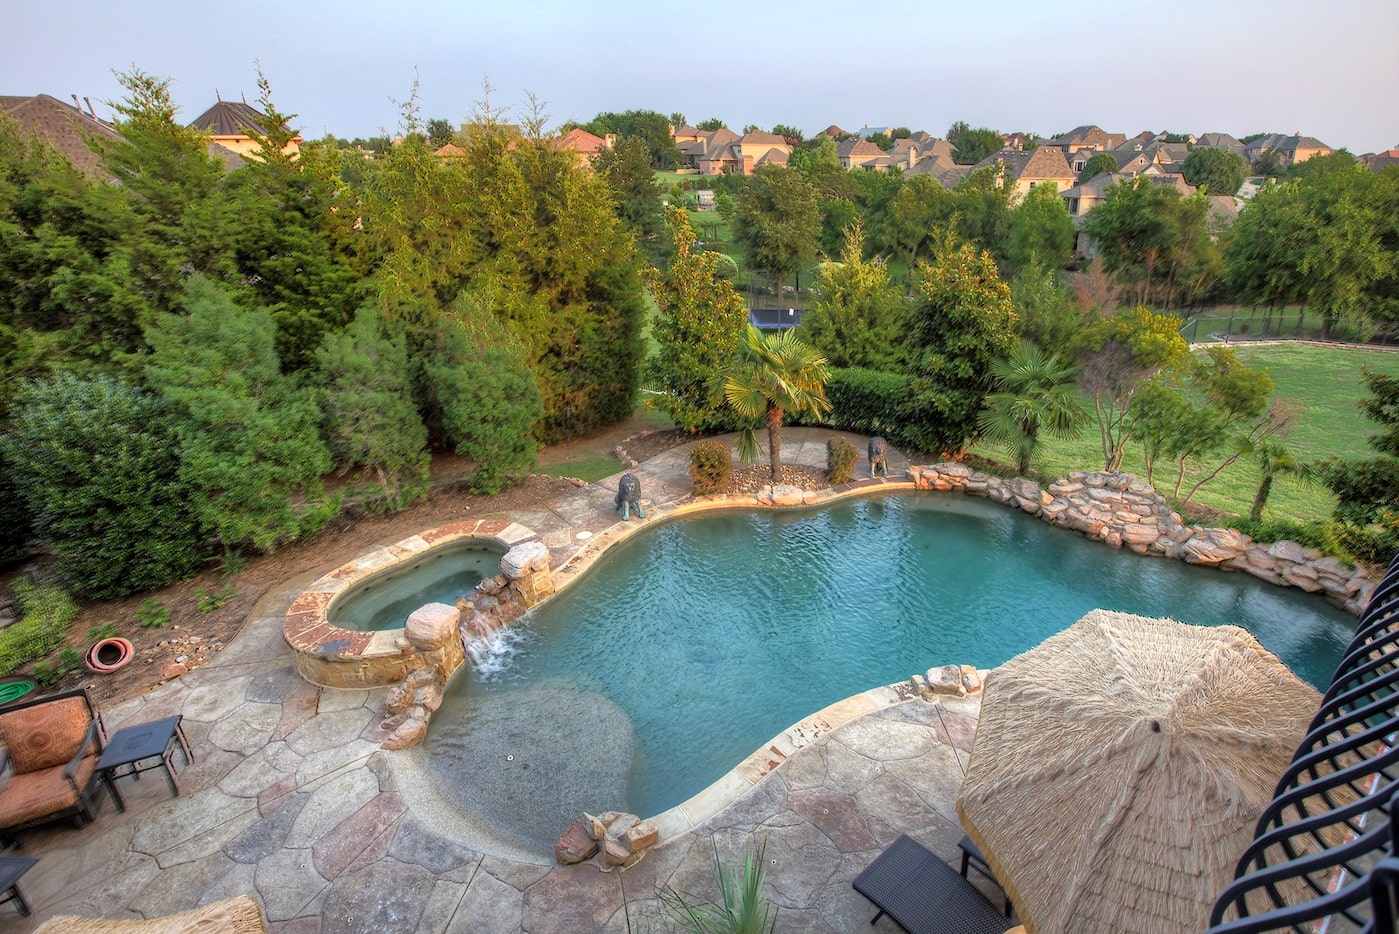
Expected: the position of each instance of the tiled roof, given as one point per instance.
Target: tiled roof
(580, 140)
(62, 125)
(449, 150)
(833, 131)
(231, 118)
(773, 156)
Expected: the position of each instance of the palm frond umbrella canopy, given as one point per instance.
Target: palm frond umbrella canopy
(1120, 766)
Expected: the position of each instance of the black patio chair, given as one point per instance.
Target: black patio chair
(911, 884)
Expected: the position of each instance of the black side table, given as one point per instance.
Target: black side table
(11, 868)
(131, 747)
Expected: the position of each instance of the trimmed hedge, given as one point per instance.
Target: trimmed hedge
(872, 403)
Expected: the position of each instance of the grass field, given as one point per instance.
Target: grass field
(1323, 382)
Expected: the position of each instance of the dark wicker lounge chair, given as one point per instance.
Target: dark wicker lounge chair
(911, 884)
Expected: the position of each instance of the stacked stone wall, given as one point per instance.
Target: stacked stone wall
(1124, 511)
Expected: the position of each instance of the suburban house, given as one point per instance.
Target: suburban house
(1045, 165)
(584, 145)
(1085, 196)
(1085, 137)
(834, 132)
(723, 151)
(684, 133)
(1220, 141)
(1137, 156)
(1289, 149)
(64, 126)
(857, 153)
(229, 123)
(68, 128)
(1380, 161)
(940, 167)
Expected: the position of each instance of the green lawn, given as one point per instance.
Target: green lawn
(1253, 323)
(1323, 382)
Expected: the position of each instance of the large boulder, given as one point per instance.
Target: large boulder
(432, 626)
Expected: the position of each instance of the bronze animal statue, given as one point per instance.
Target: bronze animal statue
(629, 496)
(879, 457)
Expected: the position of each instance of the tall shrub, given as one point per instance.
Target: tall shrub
(249, 447)
(97, 463)
(486, 398)
(370, 419)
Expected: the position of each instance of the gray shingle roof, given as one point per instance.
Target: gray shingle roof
(62, 125)
(231, 118)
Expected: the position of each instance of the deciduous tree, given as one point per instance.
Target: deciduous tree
(1097, 164)
(962, 320)
(778, 221)
(1041, 231)
(974, 145)
(1218, 171)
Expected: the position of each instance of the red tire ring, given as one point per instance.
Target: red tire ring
(108, 655)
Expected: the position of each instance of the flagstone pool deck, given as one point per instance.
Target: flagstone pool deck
(291, 800)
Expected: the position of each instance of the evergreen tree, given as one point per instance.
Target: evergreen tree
(485, 395)
(371, 421)
(172, 188)
(97, 464)
(249, 447)
(697, 331)
(281, 244)
(859, 312)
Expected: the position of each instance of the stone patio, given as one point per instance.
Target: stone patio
(291, 800)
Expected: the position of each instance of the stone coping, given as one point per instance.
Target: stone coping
(330, 655)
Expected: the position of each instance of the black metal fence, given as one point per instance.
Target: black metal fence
(1324, 855)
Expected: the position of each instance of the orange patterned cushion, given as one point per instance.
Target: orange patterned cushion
(46, 734)
(39, 794)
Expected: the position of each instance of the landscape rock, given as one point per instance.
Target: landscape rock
(1121, 510)
(432, 626)
(575, 846)
(946, 680)
(524, 558)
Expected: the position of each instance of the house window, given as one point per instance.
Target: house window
(1073, 205)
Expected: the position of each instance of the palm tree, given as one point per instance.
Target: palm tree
(1275, 461)
(775, 373)
(1035, 393)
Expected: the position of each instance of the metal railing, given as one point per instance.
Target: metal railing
(1325, 854)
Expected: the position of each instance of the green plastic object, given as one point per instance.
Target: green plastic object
(15, 689)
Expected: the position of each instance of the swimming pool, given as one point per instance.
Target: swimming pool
(693, 644)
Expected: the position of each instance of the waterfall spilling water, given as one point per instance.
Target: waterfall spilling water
(492, 654)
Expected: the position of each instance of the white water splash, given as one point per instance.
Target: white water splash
(492, 656)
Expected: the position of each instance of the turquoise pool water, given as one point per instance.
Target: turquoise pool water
(688, 647)
(385, 600)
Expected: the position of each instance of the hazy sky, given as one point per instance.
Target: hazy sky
(1328, 69)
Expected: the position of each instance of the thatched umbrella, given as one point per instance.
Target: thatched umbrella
(1119, 768)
